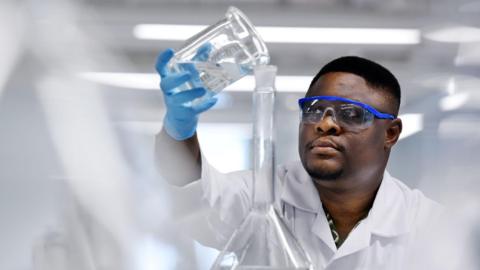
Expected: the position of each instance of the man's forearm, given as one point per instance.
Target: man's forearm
(179, 162)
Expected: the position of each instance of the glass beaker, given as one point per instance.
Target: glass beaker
(221, 54)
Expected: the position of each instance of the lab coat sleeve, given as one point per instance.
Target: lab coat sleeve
(229, 198)
(211, 208)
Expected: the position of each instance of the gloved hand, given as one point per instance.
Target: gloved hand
(180, 121)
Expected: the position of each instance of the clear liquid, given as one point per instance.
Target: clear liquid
(223, 66)
(214, 76)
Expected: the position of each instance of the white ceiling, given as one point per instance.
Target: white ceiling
(412, 63)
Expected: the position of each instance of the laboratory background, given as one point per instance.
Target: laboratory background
(80, 106)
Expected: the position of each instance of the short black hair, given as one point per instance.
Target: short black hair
(376, 75)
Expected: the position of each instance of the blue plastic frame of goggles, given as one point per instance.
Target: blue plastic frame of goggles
(367, 107)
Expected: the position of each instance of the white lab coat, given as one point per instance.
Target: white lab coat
(386, 239)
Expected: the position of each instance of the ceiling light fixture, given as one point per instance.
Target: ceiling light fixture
(412, 124)
(393, 36)
(454, 101)
(150, 81)
(455, 34)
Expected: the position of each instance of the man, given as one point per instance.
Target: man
(341, 204)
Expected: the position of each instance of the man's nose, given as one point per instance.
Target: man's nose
(327, 125)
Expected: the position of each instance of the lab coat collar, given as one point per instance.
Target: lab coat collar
(387, 218)
(389, 214)
(299, 190)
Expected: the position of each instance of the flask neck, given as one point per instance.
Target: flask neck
(263, 140)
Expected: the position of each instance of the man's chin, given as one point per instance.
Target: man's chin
(324, 174)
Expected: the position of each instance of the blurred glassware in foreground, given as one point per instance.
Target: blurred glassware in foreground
(222, 53)
(263, 241)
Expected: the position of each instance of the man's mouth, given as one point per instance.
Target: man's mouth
(323, 147)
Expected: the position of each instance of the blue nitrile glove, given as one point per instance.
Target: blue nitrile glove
(180, 121)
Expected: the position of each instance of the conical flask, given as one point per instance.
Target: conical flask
(263, 241)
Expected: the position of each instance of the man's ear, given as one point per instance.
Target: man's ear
(392, 133)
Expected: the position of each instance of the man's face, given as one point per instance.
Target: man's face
(328, 151)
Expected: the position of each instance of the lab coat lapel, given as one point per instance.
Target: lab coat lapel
(322, 230)
(357, 240)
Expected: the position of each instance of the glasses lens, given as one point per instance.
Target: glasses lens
(351, 115)
(312, 111)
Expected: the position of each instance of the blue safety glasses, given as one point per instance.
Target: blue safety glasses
(349, 114)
